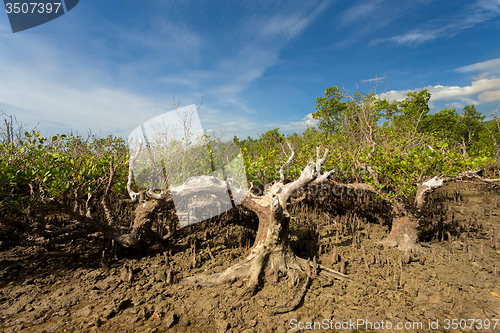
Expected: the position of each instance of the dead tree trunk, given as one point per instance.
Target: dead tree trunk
(271, 250)
(403, 233)
(404, 224)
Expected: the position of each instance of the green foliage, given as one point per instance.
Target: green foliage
(330, 110)
(401, 141)
(466, 132)
(63, 165)
(412, 109)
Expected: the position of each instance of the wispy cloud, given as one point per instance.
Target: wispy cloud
(375, 79)
(490, 67)
(412, 37)
(122, 75)
(60, 107)
(367, 17)
(449, 26)
(359, 11)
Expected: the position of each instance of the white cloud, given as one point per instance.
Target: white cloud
(489, 96)
(480, 91)
(373, 79)
(112, 80)
(61, 107)
(228, 124)
(251, 45)
(412, 37)
(287, 23)
(298, 126)
(395, 95)
(366, 17)
(455, 92)
(455, 105)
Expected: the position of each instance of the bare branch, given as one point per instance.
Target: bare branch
(424, 189)
(174, 105)
(133, 195)
(320, 161)
(308, 175)
(156, 196)
(201, 102)
(105, 198)
(282, 175)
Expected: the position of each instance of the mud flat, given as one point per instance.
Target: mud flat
(453, 286)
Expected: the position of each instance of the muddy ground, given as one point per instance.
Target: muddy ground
(453, 286)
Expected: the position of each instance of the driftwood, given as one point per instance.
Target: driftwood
(271, 250)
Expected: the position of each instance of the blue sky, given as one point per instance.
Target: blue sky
(109, 66)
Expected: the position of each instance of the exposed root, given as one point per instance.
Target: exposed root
(252, 268)
(271, 248)
(296, 298)
(325, 270)
(237, 271)
(255, 272)
(248, 293)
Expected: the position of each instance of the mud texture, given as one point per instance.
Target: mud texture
(88, 286)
